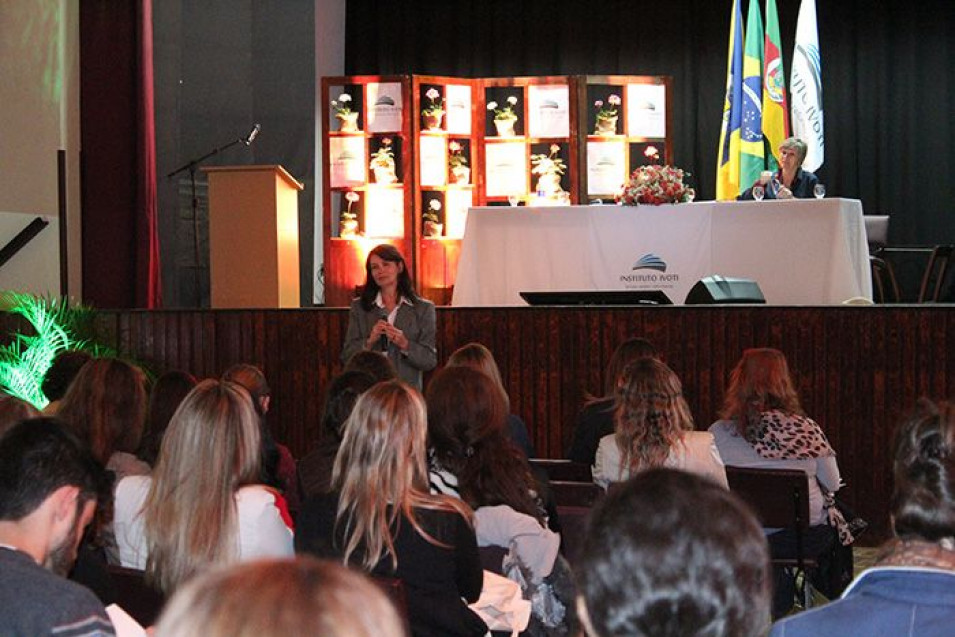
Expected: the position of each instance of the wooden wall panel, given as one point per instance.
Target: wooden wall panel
(857, 369)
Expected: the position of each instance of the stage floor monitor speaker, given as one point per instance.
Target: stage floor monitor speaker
(598, 297)
(716, 289)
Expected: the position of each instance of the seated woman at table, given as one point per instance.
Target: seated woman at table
(790, 181)
(390, 317)
(653, 428)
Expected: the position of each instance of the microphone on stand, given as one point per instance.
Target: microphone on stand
(248, 139)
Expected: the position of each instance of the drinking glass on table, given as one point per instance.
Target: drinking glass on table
(819, 191)
(758, 192)
(513, 199)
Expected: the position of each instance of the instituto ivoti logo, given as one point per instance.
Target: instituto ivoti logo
(636, 279)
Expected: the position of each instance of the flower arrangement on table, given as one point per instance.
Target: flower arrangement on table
(383, 162)
(348, 221)
(607, 115)
(504, 117)
(458, 163)
(344, 113)
(550, 168)
(655, 184)
(432, 223)
(434, 111)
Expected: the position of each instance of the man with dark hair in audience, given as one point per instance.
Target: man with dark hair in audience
(48, 486)
(672, 554)
(58, 377)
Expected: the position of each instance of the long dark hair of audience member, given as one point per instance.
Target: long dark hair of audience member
(468, 436)
(253, 381)
(374, 363)
(167, 394)
(66, 365)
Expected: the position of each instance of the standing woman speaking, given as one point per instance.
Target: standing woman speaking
(389, 317)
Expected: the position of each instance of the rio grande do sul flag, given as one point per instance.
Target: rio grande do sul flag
(751, 161)
(775, 105)
(727, 162)
(806, 86)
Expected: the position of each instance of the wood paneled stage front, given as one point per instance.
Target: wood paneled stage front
(858, 368)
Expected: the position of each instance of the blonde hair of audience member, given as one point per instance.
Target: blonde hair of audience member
(479, 357)
(211, 448)
(381, 472)
(651, 414)
(106, 406)
(280, 598)
(13, 410)
(759, 382)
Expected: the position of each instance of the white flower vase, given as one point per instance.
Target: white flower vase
(505, 127)
(461, 175)
(606, 126)
(384, 175)
(433, 122)
(348, 122)
(348, 228)
(549, 184)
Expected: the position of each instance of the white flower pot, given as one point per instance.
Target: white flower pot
(505, 127)
(348, 122)
(384, 175)
(461, 175)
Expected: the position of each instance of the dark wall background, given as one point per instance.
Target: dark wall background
(222, 65)
(888, 78)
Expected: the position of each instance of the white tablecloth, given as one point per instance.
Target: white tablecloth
(800, 252)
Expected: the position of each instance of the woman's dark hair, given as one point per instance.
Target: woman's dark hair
(923, 501)
(166, 395)
(340, 399)
(386, 252)
(375, 364)
(252, 380)
(467, 431)
(630, 350)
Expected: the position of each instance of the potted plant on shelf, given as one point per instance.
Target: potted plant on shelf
(383, 163)
(504, 118)
(458, 164)
(431, 222)
(433, 112)
(607, 115)
(549, 168)
(347, 118)
(348, 221)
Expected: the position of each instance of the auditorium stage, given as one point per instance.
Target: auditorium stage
(857, 368)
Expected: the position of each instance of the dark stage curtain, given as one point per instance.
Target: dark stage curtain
(120, 243)
(888, 78)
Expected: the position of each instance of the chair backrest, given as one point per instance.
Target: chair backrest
(575, 494)
(876, 231)
(564, 470)
(135, 596)
(780, 497)
(574, 502)
(935, 272)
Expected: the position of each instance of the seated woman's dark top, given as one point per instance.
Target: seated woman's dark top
(802, 187)
(435, 577)
(594, 422)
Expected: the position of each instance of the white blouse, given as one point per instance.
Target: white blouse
(695, 453)
(263, 531)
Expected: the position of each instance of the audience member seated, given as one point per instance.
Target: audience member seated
(911, 588)
(380, 518)
(476, 356)
(473, 457)
(202, 506)
(278, 465)
(764, 426)
(315, 469)
(374, 363)
(66, 365)
(167, 394)
(280, 598)
(672, 554)
(106, 406)
(654, 428)
(13, 410)
(48, 486)
(595, 420)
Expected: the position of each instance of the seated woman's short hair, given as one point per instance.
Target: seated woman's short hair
(281, 598)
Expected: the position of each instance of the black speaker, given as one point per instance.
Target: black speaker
(717, 289)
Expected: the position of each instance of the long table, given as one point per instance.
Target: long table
(800, 252)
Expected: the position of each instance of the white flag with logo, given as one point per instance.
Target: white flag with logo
(805, 85)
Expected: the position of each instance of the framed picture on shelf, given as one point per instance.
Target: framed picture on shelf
(505, 169)
(457, 104)
(457, 202)
(433, 160)
(606, 167)
(346, 161)
(384, 107)
(384, 212)
(548, 110)
(646, 110)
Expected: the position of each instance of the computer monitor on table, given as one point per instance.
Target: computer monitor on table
(597, 297)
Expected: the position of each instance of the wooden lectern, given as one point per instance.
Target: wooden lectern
(253, 237)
